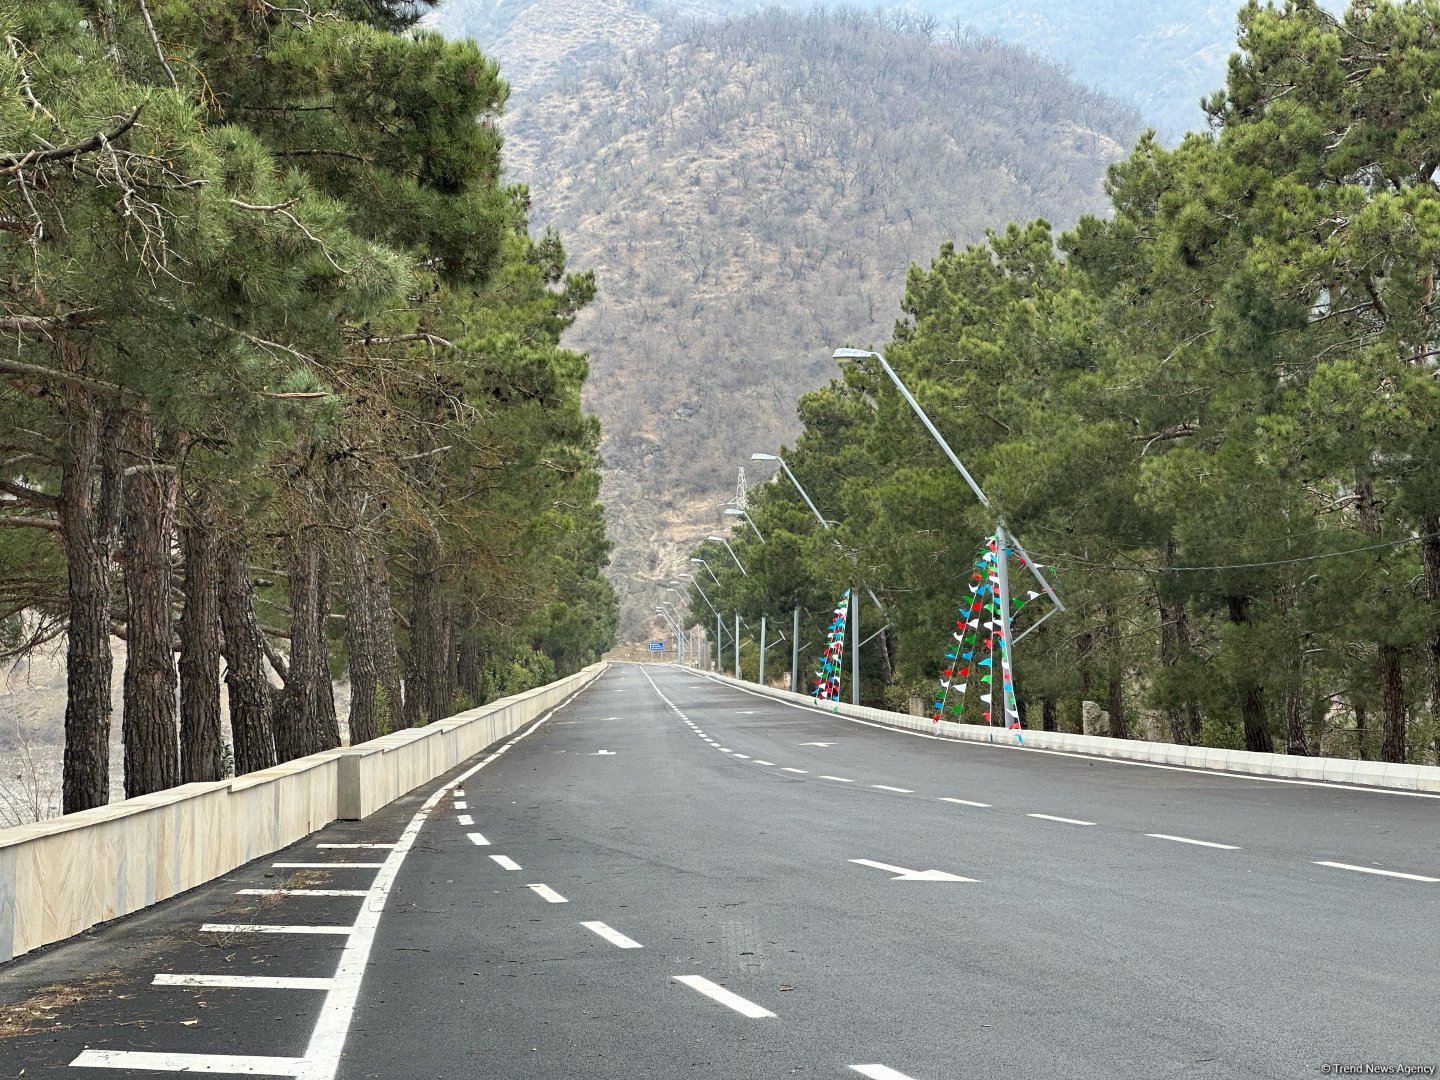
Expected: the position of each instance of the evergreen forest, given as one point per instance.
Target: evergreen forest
(1213, 412)
(282, 394)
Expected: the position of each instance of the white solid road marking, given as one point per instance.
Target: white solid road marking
(879, 1072)
(837, 779)
(302, 892)
(759, 762)
(887, 787)
(478, 839)
(204, 1063)
(788, 769)
(966, 802)
(465, 819)
(1383, 873)
(327, 865)
(610, 934)
(1062, 820)
(1187, 840)
(548, 893)
(270, 928)
(386, 847)
(243, 982)
(506, 862)
(461, 804)
(725, 997)
(911, 875)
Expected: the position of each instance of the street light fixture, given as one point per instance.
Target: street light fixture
(706, 565)
(776, 457)
(722, 540)
(731, 511)
(1003, 539)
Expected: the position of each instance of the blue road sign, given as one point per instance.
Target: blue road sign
(657, 646)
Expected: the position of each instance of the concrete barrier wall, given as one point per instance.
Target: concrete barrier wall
(62, 876)
(1284, 766)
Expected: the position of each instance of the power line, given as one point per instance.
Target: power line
(1075, 561)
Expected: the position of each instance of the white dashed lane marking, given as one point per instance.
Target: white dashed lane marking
(887, 787)
(1382, 873)
(1062, 820)
(610, 934)
(505, 862)
(725, 997)
(966, 802)
(547, 893)
(1187, 840)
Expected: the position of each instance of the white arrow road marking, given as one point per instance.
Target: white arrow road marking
(610, 934)
(817, 744)
(912, 875)
(1382, 873)
(724, 997)
(879, 1072)
(603, 753)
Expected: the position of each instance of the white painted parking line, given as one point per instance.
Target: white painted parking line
(271, 928)
(802, 771)
(879, 1072)
(385, 847)
(505, 862)
(327, 865)
(1382, 873)
(966, 802)
(725, 997)
(478, 839)
(465, 819)
(548, 893)
(610, 934)
(232, 1064)
(1187, 840)
(887, 787)
(759, 762)
(1062, 820)
(243, 982)
(302, 892)
(837, 779)
(461, 804)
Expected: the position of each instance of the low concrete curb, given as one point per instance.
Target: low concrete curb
(1375, 774)
(62, 876)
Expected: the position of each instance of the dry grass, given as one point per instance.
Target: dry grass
(44, 1010)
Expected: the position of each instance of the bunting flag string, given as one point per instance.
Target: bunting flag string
(832, 660)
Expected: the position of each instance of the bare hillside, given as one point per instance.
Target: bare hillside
(750, 194)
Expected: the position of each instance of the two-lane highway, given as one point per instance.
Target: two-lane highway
(672, 876)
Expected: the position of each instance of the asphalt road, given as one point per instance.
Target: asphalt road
(670, 877)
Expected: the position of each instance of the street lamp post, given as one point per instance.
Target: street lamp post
(722, 540)
(679, 639)
(731, 511)
(706, 565)
(1003, 540)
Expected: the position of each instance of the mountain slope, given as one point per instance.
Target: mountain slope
(750, 194)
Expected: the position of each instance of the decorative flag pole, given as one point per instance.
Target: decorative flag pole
(832, 660)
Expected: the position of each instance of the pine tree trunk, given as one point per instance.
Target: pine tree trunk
(1430, 589)
(1390, 667)
(305, 711)
(428, 654)
(1049, 715)
(90, 482)
(1115, 677)
(1175, 651)
(469, 666)
(382, 624)
(1252, 694)
(1085, 649)
(247, 688)
(151, 732)
(200, 739)
(1362, 734)
(360, 644)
